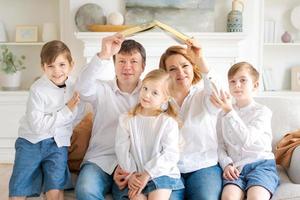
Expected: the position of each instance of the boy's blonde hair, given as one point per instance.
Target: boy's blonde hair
(179, 50)
(162, 76)
(243, 65)
(51, 50)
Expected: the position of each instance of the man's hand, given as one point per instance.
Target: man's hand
(72, 103)
(120, 177)
(231, 173)
(111, 46)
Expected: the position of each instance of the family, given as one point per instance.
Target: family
(173, 135)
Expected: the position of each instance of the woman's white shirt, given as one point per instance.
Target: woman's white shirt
(148, 143)
(47, 115)
(245, 135)
(199, 149)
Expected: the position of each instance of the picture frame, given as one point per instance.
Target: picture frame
(26, 33)
(295, 78)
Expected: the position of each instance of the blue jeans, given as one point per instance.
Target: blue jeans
(203, 184)
(93, 183)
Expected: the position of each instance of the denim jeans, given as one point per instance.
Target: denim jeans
(203, 184)
(93, 183)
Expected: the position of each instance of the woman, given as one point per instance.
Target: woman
(201, 174)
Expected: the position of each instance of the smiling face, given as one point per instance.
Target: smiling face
(128, 68)
(242, 85)
(180, 70)
(58, 71)
(152, 95)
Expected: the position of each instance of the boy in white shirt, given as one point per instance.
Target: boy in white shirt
(45, 130)
(245, 136)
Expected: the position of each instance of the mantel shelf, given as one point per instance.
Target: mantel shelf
(279, 44)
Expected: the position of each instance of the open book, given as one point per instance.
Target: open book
(147, 26)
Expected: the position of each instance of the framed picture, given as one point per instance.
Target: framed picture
(26, 33)
(295, 82)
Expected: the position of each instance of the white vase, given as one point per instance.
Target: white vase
(49, 32)
(3, 37)
(10, 81)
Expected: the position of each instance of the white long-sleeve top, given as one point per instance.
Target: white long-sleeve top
(199, 117)
(245, 135)
(108, 102)
(47, 114)
(148, 143)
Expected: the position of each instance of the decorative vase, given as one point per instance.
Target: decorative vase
(10, 82)
(3, 37)
(235, 17)
(286, 37)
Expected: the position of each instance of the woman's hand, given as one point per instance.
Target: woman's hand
(194, 50)
(231, 173)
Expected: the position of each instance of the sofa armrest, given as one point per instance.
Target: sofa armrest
(294, 169)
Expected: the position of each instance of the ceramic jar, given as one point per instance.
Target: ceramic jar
(235, 17)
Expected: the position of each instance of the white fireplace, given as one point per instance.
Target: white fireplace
(220, 49)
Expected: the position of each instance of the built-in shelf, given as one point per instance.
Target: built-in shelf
(280, 93)
(282, 44)
(22, 43)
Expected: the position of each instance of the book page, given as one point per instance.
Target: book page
(137, 29)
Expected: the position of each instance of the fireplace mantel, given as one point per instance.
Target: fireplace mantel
(220, 49)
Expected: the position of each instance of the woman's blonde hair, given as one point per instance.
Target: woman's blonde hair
(162, 76)
(174, 50)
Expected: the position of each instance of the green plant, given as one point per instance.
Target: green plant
(9, 62)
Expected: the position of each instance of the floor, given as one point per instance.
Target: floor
(5, 172)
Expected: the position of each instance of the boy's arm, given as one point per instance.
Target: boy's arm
(41, 122)
(165, 160)
(256, 134)
(224, 159)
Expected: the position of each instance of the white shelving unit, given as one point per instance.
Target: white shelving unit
(29, 12)
(279, 57)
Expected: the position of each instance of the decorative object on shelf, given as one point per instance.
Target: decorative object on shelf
(11, 67)
(180, 14)
(286, 37)
(235, 17)
(26, 33)
(107, 28)
(295, 20)
(3, 37)
(115, 18)
(49, 32)
(295, 80)
(269, 31)
(268, 81)
(87, 14)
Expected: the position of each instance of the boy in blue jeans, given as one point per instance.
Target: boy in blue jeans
(45, 130)
(245, 136)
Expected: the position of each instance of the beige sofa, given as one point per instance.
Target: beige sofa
(286, 118)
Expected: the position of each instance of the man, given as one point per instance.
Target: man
(109, 99)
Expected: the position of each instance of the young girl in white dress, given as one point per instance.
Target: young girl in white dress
(147, 142)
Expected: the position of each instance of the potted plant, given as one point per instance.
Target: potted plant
(11, 66)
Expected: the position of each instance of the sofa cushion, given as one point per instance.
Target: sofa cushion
(79, 142)
(286, 114)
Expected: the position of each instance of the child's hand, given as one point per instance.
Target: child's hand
(134, 185)
(111, 45)
(222, 101)
(121, 177)
(72, 103)
(231, 173)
